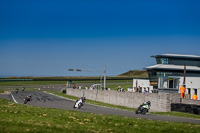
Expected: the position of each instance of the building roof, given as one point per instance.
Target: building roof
(173, 67)
(177, 56)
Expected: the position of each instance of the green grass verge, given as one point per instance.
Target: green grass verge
(173, 113)
(20, 118)
(1, 91)
(30, 83)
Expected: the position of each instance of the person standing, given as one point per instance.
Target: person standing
(119, 88)
(182, 91)
(194, 97)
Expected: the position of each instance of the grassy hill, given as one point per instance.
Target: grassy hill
(135, 73)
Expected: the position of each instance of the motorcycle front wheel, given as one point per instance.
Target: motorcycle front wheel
(136, 112)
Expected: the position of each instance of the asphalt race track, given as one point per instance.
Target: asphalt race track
(42, 99)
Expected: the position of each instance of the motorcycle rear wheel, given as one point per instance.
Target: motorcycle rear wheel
(144, 111)
(25, 101)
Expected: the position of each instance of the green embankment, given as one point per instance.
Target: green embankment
(20, 118)
(135, 74)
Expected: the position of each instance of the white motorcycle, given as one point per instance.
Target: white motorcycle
(79, 103)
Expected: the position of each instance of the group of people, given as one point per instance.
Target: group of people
(139, 89)
(182, 92)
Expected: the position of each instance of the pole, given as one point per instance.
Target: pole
(104, 86)
(101, 82)
(184, 74)
(136, 85)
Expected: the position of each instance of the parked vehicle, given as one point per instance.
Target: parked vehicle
(79, 103)
(143, 108)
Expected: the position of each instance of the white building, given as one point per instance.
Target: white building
(168, 74)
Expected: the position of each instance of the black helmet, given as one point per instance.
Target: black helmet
(149, 103)
(30, 95)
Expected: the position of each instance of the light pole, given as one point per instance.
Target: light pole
(79, 70)
(104, 85)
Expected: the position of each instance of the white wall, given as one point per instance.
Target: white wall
(192, 83)
(160, 102)
(144, 83)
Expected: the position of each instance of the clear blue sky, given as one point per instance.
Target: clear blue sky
(46, 37)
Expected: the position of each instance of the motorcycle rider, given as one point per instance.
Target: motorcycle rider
(29, 97)
(143, 108)
(17, 90)
(83, 100)
(23, 88)
(80, 102)
(149, 103)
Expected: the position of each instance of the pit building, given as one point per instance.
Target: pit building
(168, 74)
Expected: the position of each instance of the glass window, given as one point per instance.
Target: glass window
(164, 60)
(158, 60)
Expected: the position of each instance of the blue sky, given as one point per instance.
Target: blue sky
(46, 37)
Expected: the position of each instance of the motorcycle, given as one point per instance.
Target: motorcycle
(17, 90)
(144, 108)
(23, 88)
(27, 98)
(79, 103)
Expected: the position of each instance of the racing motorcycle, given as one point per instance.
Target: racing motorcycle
(27, 98)
(79, 103)
(144, 108)
(17, 90)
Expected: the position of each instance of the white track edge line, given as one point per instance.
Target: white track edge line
(13, 97)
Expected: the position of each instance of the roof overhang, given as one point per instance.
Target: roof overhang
(172, 67)
(176, 56)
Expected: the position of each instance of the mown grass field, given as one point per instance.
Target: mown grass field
(20, 118)
(29, 83)
(112, 84)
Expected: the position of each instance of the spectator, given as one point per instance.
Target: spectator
(182, 91)
(136, 89)
(91, 87)
(145, 91)
(119, 88)
(140, 89)
(194, 97)
(86, 87)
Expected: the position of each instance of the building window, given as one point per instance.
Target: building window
(188, 90)
(164, 60)
(195, 91)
